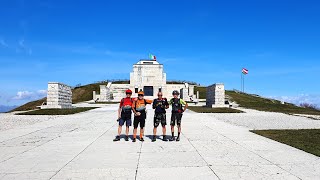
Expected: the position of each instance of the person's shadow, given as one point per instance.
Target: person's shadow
(151, 137)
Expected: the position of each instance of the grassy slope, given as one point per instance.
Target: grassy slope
(79, 94)
(200, 109)
(262, 104)
(57, 111)
(305, 139)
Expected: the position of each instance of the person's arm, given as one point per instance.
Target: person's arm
(134, 107)
(166, 103)
(154, 104)
(185, 104)
(119, 110)
(149, 101)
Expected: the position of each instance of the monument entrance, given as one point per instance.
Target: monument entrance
(148, 90)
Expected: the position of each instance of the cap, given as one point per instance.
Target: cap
(128, 91)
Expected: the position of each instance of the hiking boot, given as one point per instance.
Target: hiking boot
(178, 138)
(154, 139)
(141, 139)
(172, 138)
(117, 138)
(165, 138)
(134, 140)
(126, 138)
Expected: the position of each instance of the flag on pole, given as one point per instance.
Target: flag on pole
(153, 57)
(245, 71)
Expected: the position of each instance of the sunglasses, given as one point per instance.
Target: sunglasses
(159, 95)
(140, 95)
(129, 93)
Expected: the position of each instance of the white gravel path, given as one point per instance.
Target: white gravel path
(254, 119)
(10, 120)
(80, 146)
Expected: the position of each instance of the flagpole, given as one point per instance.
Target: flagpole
(243, 83)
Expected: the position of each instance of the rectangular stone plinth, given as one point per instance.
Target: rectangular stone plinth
(216, 95)
(59, 96)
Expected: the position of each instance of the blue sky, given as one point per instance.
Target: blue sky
(204, 41)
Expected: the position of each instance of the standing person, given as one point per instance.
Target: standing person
(139, 109)
(160, 105)
(177, 111)
(124, 115)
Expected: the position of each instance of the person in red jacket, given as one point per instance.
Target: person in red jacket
(124, 115)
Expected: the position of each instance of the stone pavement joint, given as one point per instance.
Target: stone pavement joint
(138, 161)
(209, 166)
(81, 152)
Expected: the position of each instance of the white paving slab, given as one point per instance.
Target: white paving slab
(80, 147)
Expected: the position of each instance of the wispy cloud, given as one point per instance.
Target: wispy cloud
(27, 95)
(22, 47)
(299, 99)
(3, 43)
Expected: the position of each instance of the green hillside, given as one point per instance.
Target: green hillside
(262, 104)
(84, 93)
(79, 94)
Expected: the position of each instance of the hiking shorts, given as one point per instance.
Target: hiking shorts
(127, 121)
(159, 117)
(139, 120)
(176, 117)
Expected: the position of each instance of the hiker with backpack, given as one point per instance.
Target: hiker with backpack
(139, 109)
(177, 112)
(124, 115)
(160, 105)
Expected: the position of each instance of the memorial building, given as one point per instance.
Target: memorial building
(148, 76)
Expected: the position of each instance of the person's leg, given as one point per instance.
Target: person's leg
(119, 130)
(142, 124)
(121, 123)
(135, 126)
(179, 126)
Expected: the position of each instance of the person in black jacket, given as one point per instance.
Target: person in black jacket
(160, 105)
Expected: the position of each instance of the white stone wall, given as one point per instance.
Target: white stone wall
(118, 91)
(147, 73)
(59, 96)
(104, 93)
(216, 95)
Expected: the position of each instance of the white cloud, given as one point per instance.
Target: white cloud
(299, 99)
(27, 95)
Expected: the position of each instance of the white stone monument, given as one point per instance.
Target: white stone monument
(59, 96)
(216, 96)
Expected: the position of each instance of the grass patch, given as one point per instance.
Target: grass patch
(202, 91)
(307, 140)
(203, 109)
(57, 111)
(105, 103)
(263, 104)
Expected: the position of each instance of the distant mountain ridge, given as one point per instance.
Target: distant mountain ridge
(4, 109)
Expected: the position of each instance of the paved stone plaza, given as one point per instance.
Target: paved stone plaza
(80, 146)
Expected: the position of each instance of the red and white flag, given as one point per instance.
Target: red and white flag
(245, 71)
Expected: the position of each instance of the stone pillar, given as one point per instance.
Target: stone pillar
(216, 95)
(184, 94)
(59, 96)
(104, 93)
(198, 96)
(94, 95)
